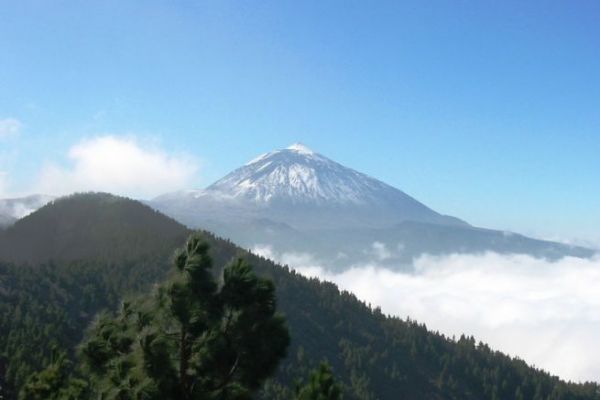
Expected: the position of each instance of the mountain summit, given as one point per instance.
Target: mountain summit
(298, 175)
(305, 189)
(295, 174)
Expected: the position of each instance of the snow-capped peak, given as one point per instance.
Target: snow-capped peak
(300, 148)
(303, 188)
(297, 148)
(297, 175)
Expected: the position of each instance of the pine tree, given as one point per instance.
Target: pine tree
(519, 394)
(321, 386)
(54, 382)
(193, 339)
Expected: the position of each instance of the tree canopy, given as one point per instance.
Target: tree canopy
(321, 385)
(194, 338)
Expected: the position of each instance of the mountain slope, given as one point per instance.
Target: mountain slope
(296, 200)
(89, 226)
(84, 253)
(6, 221)
(376, 357)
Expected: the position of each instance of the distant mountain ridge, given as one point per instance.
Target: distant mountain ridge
(297, 200)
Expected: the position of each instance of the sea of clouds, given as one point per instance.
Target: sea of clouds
(545, 312)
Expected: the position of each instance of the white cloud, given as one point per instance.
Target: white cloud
(380, 251)
(120, 165)
(9, 127)
(547, 313)
(592, 242)
(310, 266)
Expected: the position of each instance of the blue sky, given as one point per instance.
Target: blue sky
(487, 110)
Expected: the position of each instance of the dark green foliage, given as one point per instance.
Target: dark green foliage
(321, 385)
(48, 305)
(193, 338)
(373, 356)
(46, 308)
(91, 226)
(54, 383)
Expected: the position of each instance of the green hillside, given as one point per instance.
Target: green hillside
(92, 226)
(104, 247)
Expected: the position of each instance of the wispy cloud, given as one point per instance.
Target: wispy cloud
(547, 313)
(9, 127)
(381, 252)
(118, 164)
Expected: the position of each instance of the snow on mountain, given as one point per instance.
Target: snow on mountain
(297, 174)
(305, 189)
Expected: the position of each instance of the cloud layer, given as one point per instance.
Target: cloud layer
(547, 313)
(120, 165)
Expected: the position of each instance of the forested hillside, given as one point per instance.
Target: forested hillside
(93, 226)
(106, 247)
(70, 260)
